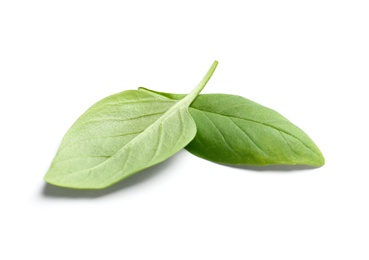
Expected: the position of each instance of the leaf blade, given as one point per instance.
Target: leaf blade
(121, 135)
(246, 133)
(74, 175)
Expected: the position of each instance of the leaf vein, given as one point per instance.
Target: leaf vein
(139, 102)
(222, 135)
(159, 142)
(248, 136)
(94, 138)
(289, 146)
(123, 120)
(87, 157)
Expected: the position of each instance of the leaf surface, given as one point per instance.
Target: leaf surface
(235, 130)
(121, 135)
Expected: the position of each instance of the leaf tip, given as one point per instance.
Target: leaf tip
(320, 160)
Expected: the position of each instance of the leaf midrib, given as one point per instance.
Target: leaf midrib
(250, 120)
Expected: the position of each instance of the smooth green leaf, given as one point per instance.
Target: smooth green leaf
(121, 135)
(232, 129)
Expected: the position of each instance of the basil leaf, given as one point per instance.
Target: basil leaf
(234, 130)
(121, 135)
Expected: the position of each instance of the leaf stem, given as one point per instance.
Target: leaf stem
(193, 94)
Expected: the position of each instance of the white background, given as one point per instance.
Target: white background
(309, 60)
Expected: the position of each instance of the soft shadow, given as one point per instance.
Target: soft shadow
(52, 191)
(273, 168)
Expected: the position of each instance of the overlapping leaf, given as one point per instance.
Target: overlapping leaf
(232, 129)
(121, 135)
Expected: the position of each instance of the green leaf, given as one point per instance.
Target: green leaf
(234, 130)
(121, 135)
